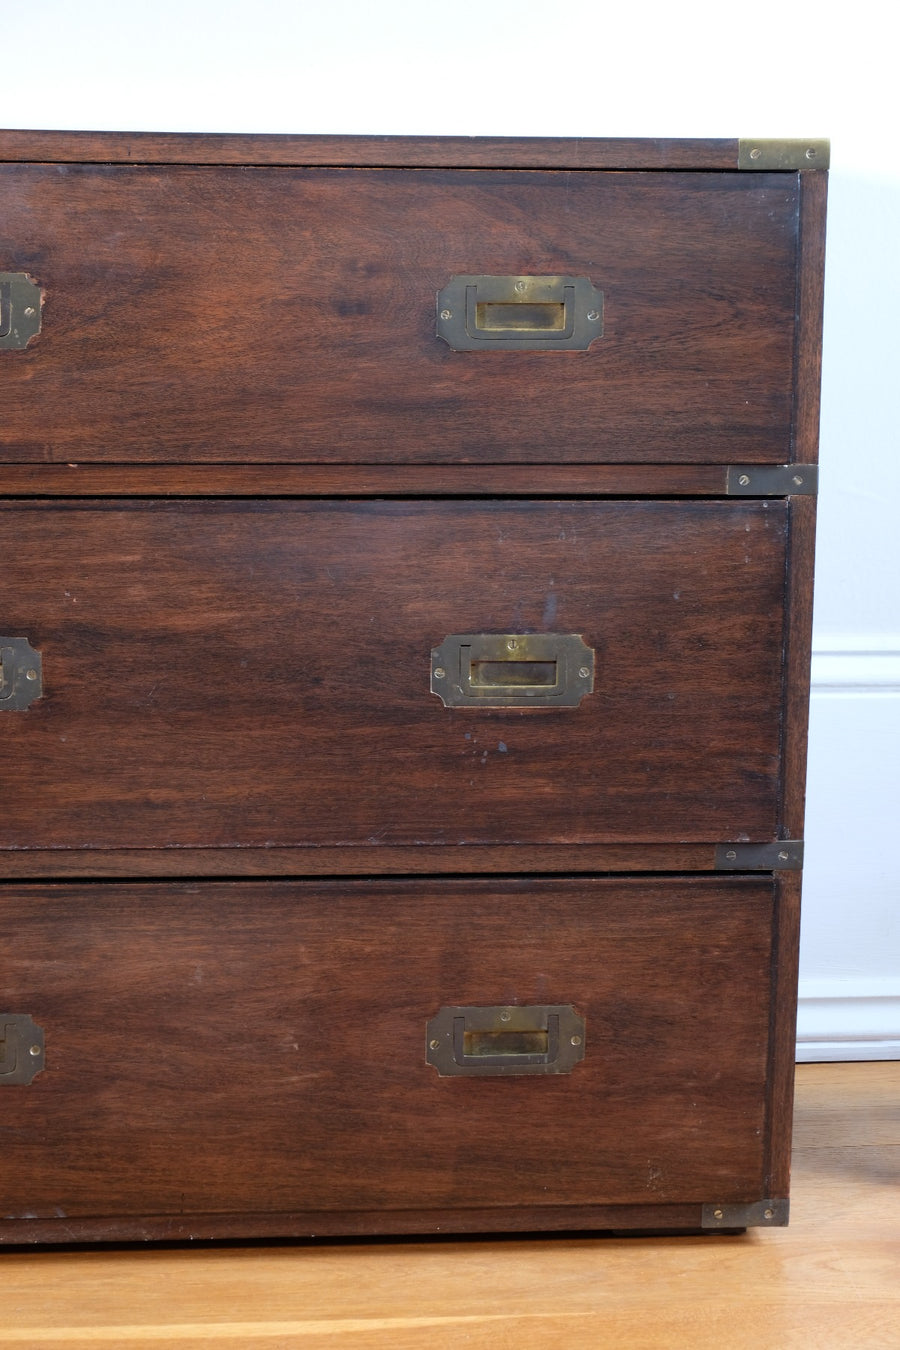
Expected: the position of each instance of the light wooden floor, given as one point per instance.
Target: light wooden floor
(828, 1282)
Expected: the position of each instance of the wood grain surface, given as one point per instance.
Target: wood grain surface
(798, 663)
(783, 1015)
(362, 480)
(811, 297)
(378, 860)
(368, 151)
(238, 684)
(828, 1281)
(285, 315)
(240, 673)
(245, 1049)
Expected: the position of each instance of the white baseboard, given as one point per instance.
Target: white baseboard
(849, 1005)
(857, 662)
(848, 1020)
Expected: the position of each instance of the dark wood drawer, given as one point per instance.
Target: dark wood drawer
(220, 1056)
(288, 315)
(257, 674)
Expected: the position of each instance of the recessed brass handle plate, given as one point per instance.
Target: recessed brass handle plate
(21, 1049)
(501, 1041)
(519, 313)
(20, 674)
(512, 670)
(20, 310)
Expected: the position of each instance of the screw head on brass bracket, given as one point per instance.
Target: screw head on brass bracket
(21, 299)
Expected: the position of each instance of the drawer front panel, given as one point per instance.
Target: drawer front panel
(262, 1047)
(238, 673)
(284, 315)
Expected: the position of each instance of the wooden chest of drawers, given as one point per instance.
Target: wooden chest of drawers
(405, 640)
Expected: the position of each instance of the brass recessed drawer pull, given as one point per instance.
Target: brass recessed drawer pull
(512, 670)
(21, 1049)
(20, 673)
(482, 313)
(503, 1040)
(20, 310)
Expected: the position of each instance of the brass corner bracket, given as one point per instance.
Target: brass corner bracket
(783, 155)
(784, 855)
(756, 1214)
(772, 480)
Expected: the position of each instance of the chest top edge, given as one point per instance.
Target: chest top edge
(142, 147)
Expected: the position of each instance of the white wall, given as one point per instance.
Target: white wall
(699, 68)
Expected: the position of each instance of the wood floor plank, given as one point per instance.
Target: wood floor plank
(831, 1280)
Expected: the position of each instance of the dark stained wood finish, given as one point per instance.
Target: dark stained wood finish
(798, 659)
(801, 556)
(783, 1045)
(383, 860)
(288, 315)
(362, 480)
(599, 1220)
(468, 152)
(813, 196)
(237, 689)
(260, 1047)
(241, 673)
